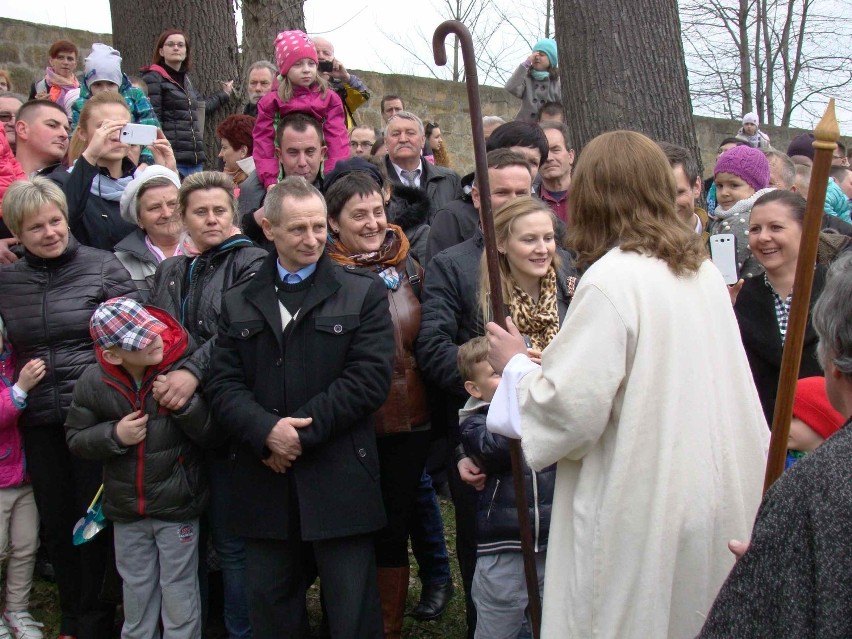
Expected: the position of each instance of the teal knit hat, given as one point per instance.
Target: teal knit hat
(548, 47)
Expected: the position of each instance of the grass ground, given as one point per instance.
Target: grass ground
(44, 603)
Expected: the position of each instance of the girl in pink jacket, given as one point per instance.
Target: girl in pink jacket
(299, 89)
(18, 514)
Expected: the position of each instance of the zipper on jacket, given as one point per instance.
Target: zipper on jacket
(140, 464)
(493, 497)
(536, 513)
(50, 353)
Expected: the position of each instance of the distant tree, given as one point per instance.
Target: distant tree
(622, 67)
(262, 20)
(768, 56)
(213, 33)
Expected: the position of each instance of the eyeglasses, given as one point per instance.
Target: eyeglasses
(175, 45)
(363, 145)
(7, 116)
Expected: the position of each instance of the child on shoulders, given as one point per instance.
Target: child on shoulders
(299, 89)
(751, 134)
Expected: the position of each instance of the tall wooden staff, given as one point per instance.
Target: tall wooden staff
(826, 135)
(497, 310)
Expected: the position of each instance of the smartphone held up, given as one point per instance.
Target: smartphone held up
(141, 134)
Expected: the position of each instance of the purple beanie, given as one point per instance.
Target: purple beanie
(746, 163)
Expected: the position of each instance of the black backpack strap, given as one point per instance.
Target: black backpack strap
(414, 273)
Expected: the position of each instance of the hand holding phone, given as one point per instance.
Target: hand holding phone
(723, 251)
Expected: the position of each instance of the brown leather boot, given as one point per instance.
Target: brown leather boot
(393, 591)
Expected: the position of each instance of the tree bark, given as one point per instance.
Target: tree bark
(622, 67)
(262, 21)
(213, 43)
(745, 58)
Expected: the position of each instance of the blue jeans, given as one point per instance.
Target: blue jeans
(188, 169)
(230, 548)
(427, 536)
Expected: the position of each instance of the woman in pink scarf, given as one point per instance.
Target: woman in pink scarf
(59, 84)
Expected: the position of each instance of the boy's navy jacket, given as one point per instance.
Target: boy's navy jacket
(160, 477)
(497, 528)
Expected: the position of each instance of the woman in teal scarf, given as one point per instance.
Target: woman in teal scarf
(536, 80)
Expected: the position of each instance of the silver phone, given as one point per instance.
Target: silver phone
(142, 134)
(723, 251)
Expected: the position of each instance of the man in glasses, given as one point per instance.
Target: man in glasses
(361, 140)
(10, 103)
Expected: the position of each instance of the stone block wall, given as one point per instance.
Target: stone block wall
(24, 46)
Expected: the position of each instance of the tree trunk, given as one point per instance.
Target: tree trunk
(262, 21)
(617, 76)
(745, 58)
(213, 40)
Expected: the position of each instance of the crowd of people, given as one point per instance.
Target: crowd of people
(271, 369)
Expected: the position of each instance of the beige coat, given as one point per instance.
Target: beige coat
(646, 402)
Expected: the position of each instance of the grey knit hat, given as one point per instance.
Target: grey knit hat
(103, 63)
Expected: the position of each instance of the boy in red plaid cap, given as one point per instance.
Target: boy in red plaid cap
(154, 489)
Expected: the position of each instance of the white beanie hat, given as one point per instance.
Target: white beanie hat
(128, 197)
(103, 63)
(751, 118)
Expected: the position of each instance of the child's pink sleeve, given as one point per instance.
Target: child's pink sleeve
(265, 163)
(334, 132)
(9, 410)
(10, 168)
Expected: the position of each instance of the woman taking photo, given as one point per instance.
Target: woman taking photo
(648, 425)
(190, 288)
(763, 304)
(149, 203)
(362, 237)
(536, 80)
(102, 171)
(46, 300)
(176, 102)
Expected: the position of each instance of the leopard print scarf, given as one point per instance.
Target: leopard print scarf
(538, 321)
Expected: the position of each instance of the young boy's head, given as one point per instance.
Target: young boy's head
(750, 124)
(128, 334)
(814, 418)
(480, 380)
(739, 173)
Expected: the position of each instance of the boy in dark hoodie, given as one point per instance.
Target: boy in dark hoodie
(499, 590)
(154, 490)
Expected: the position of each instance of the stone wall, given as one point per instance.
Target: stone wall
(24, 46)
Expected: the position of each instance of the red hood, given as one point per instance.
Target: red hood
(175, 342)
(156, 68)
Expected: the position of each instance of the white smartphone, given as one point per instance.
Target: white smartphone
(723, 250)
(138, 134)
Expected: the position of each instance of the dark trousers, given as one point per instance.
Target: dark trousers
(64, 486)
(276, 583)
(401, 460)
(427, 535)
(464, 501)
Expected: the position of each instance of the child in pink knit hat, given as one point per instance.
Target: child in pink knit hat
(300, 89)
(742, 176)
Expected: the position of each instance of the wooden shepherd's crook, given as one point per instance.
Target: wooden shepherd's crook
(497, 309)
(826, 135)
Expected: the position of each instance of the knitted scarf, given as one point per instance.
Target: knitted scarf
(384, 261)
(743, 207)
(109, 188)
(57, 85)
(537, 320)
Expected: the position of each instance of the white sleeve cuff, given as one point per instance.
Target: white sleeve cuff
(504, 413)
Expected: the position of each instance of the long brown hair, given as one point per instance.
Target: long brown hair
(504, 222)
(623, 194)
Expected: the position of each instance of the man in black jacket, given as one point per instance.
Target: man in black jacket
(302, 360)
(404, 138)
